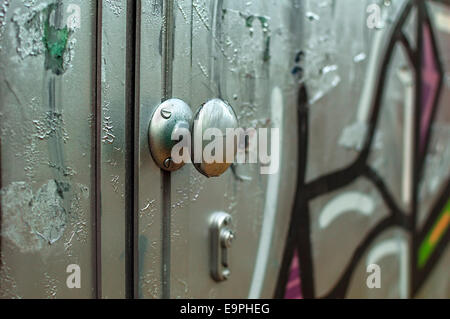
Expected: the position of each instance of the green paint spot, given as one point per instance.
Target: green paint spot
(249, 21)
(264, 21)
(266, 55)
(427, 247)
(55, 41)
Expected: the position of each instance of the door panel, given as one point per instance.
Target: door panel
(48, 190)
(223, 49)
(148, 178)
(113, 147)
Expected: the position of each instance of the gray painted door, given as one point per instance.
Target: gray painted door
(239, 52)
(78, 84)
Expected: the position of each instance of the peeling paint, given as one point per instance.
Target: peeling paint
(51, 125)
(115, 6)
(37, 34)
(31, 221)
(150, 285)
(29, 3)
(3, 13)
(55, 41)
(49, 217)
(29, 27)
(66, 171)
(317, 66)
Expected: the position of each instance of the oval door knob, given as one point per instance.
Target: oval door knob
(215, 116)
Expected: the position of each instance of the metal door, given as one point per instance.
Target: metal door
(207, 50)
(81, 193)
(48, 148)
(238, 52)
(80, 81)
(64, 88)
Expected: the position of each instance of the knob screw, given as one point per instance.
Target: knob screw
(226, 273)
(168, 163)
(165, 113)
(227, 237)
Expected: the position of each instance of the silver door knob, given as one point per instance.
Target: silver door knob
(211, 118)
(219, 115)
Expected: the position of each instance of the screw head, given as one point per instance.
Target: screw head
(226, 273)
(168, 116)
(165, 113)
(227, 238)
(168, 163)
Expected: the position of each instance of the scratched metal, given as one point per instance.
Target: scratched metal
(149, 236)
(46, 100)
(113, 148)
(337, 53)
(239, 52)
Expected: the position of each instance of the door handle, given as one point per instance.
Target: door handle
(173, 115)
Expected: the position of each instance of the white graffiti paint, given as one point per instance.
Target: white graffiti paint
(271, 203)
(346, 203)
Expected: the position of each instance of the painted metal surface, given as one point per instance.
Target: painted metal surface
(48, 190)
(113, 108)
(364, 165)
(370, 161)
(237, 52)
(150, 61)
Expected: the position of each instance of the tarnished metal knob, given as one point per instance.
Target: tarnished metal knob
(211, 122)
(168, 116)
(217, 115)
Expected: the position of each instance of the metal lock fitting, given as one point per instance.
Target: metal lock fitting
(221, 241)
(175, 114)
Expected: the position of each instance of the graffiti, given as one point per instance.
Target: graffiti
(417, 257)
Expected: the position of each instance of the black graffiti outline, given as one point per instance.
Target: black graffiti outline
(298, 238)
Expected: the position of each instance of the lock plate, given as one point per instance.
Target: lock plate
(222, 238)
(167, 117)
